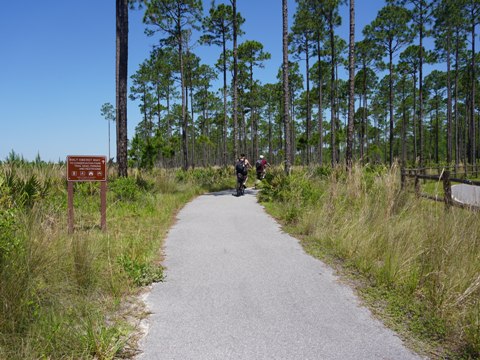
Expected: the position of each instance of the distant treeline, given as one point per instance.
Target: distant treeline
(401, 111)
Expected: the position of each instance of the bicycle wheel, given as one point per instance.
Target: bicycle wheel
(239, 188)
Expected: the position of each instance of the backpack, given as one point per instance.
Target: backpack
(240, 168)
(259, 165)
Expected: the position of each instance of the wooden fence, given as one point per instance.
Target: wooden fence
(443, 174)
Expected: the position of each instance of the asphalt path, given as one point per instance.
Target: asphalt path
(466, 194)
(238, 287)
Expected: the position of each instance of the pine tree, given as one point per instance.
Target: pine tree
(175, 18)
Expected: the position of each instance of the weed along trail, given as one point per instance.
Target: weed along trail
(237, 287)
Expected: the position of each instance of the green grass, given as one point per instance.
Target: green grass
(417, 265)
(71, 297)
(65, 296)
(433, 188)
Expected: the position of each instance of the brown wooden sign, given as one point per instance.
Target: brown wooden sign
(86, 168)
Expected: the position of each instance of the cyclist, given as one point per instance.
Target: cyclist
(260, 167)
(241, 171)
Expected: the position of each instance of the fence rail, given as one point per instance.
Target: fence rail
(444, 175)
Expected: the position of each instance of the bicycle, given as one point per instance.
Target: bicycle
(240, 188)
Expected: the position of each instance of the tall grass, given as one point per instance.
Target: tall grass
(66, 296)
(419, 260)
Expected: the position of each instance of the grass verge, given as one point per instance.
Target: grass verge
(67, 297)
(415, 264)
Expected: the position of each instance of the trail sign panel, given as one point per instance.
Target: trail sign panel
(86, 168)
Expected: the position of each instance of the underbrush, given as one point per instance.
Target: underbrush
(419, 265)
(64, 296)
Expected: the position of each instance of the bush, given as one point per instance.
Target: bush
(8, 241)
(210, 178)
(124, 188)
(23, 191)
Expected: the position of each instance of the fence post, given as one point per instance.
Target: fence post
(402, 178)
(447, 188)
(417, 184)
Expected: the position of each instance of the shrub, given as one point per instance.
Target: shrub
(23, 191)
(8, 241)
(125, 188)
(140, 272)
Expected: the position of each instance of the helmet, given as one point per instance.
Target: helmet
(261, 156)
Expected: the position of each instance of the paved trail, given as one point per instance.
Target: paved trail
(466, 194)
(237, 287)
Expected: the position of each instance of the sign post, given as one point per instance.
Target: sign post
(87, 168)
(103, 205)
(70, 206)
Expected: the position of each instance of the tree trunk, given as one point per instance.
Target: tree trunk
(270, 137)
(320, 104)
(332, 93)
(437, 131)
(465, 137)
(293, 128)
(203, 132)
(390, 86)
(449, 103)
(169, 126)
(307, 76)
(455, 109)
(404, 126)
(121, 84)
(235, 80)
(351, 90)
(286, 101)
(108, 120)
(224, 100)
(253, 116)
(193, 121)
(243, 147)
(420, 91)
(184, 112)
(473, 147)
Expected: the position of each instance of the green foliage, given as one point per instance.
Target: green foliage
(22, 191)
(86, 189)
(108, 112)
(472, 333)
(141, 273)
(8, 226)
(104, 342)
(125, 188)
(406, 310)
(14, 159)
(420, 263)
(300, 188)
(210, 178)
(66, 296)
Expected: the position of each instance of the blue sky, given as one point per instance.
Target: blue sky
(57, 67)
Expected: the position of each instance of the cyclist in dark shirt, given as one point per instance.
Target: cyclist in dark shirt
(241, 171)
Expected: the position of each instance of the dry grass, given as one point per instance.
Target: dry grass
(64, 296)
(420, 259)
